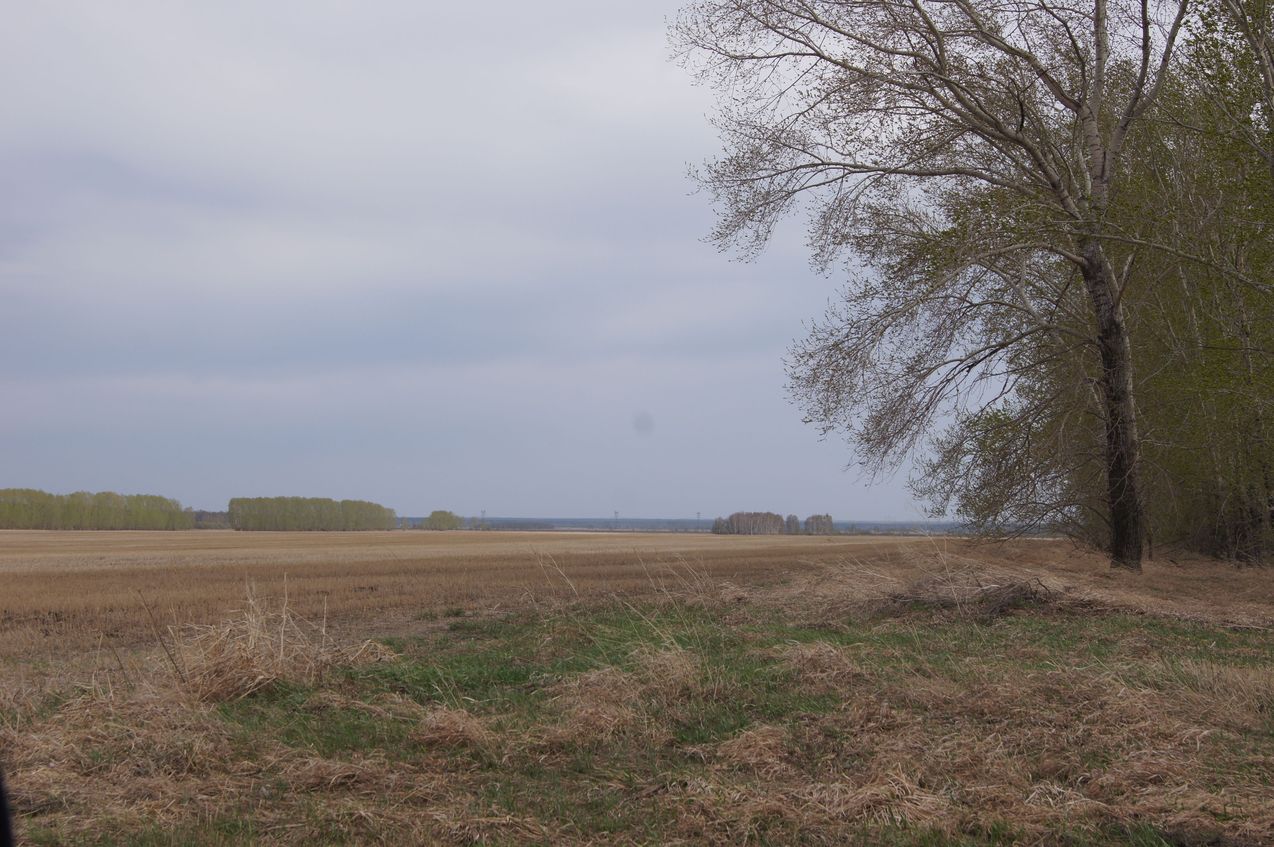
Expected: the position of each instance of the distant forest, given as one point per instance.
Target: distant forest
(27, 508)
(309, 513)
(772, 523)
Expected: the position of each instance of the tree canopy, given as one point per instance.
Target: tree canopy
(28, 508)
(1056, 221)
(309, 513)
(442, 520)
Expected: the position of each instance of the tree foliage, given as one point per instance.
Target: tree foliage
(309, 513)
(771, 523)
(28, 508)
(1058, 221)
(442, 520)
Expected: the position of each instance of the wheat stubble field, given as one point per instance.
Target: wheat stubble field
(212, 688)
(71, 590)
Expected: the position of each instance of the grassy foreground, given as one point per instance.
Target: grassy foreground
(951, 713)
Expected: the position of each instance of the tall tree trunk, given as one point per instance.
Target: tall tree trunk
(1123, 447)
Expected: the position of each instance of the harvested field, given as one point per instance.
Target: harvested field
(70, 590)
(645, 689)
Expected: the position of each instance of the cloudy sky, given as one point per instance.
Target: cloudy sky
(436, 256)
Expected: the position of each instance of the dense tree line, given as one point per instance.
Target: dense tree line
(1065, 212)
(1191, 233)
(440, 519)
(819, 525)
(26, 508)
(308, 513)
(770, 523)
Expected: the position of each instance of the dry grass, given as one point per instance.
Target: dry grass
(761, 750)
(454, 729)
(261, 646)
(601, 705)
(597, 705)
(992, 578)
(822, 667)
(1240, 696)
(909, 695)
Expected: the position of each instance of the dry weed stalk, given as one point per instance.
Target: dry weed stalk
(260, 647)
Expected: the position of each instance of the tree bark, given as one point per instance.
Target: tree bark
(1123, 446)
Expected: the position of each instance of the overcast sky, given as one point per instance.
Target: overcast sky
(436, 256)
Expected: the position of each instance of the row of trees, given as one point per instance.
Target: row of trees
(27, 508)
(440, 519)
(771, 523)
(1059, 218)
(308, 513)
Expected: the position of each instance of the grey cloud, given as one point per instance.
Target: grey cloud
(434, 256)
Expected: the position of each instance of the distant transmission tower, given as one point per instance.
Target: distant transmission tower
(615, 524)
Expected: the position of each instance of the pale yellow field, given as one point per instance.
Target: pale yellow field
(68, 591)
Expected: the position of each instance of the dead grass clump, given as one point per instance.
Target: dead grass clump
(146, 734)
(822, 811)
(465, 824)
(598, 705)
(715, 812)
(260, 647)
(1245, 695)
(888, 797)
(139, 755)
(314, 773)
(821, 667)
(968, 593)
(668, 674)
(454, 729)
(761, 750)
(608, 702)
(732, 595)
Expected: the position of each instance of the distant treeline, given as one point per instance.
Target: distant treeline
(771, 523)
(211, 520)
(440, 519)
(28, 508)
(308, 513)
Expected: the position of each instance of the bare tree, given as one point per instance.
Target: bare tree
(968, 151)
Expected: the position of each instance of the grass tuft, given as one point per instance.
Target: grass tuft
(259, 648)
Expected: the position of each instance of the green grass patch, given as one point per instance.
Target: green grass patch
(289, 716)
